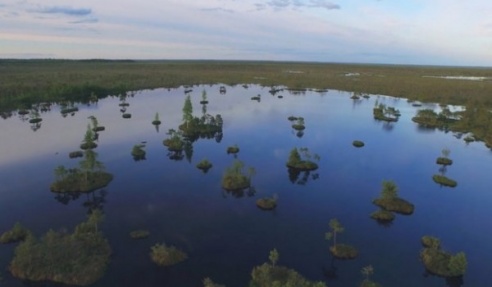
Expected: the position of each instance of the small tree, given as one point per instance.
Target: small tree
(187, 110)
(390, 190)
(204, 95)
(273, 256)
(445, 152)
(336, 227)
(367, 271)
(294, 157)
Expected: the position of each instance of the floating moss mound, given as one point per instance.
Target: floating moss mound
(444, 161)
(76, 154)
(16, 234)
(441, 263)
(139, 234)
(35, 121)
(204, 165)
(267, 203)
(127, 116)
(443, 180)
(383, 215)
(303, 165)
(395, 204)
(90, 145)
(298, 127)
(81, 182)
(343, 251)
(268, 275)
(233, 150)
(79, 259)
(164, 255)
(233, 182)
(358, 143)
(156, 123)
(292, 118)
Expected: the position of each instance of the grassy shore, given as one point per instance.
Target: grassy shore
(28, 81)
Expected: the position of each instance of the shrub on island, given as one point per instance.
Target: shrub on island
(233, 149)
(81, 181)
(164, 255)
(338, 250)
(138, 152)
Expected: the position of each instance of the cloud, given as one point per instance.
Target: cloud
(64, 10)
(85, 21)
(283, 4)
(218, 9)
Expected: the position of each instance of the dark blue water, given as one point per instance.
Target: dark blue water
(225, 236)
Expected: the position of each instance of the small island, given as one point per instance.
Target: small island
(381, 112)
(78, 258)
(233, 149)
(156, 120)
(444, 159)
(204, 165)
(235, 178)
(339, 250)
(443, 180)
(267, 203)
(390, 201)
(138, 152)
(164, 255)
(299, 124)
(358, 143)
(139, 234)
(89, 139)
(302, 163)
(127, 115)
(440, 262)
(383, 216)
(175, 141)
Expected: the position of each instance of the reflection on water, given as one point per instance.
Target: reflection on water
(224, 238)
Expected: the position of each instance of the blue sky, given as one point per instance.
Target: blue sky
(433, 32)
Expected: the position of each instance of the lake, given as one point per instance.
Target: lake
(225, 234)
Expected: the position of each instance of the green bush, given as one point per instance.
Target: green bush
(204, 165)
(235, 178)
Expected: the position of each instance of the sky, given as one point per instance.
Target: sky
(422, 32)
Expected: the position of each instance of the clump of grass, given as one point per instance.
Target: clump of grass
(235, 178)
(164, 255)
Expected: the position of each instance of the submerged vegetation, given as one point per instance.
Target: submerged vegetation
(78, 258)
